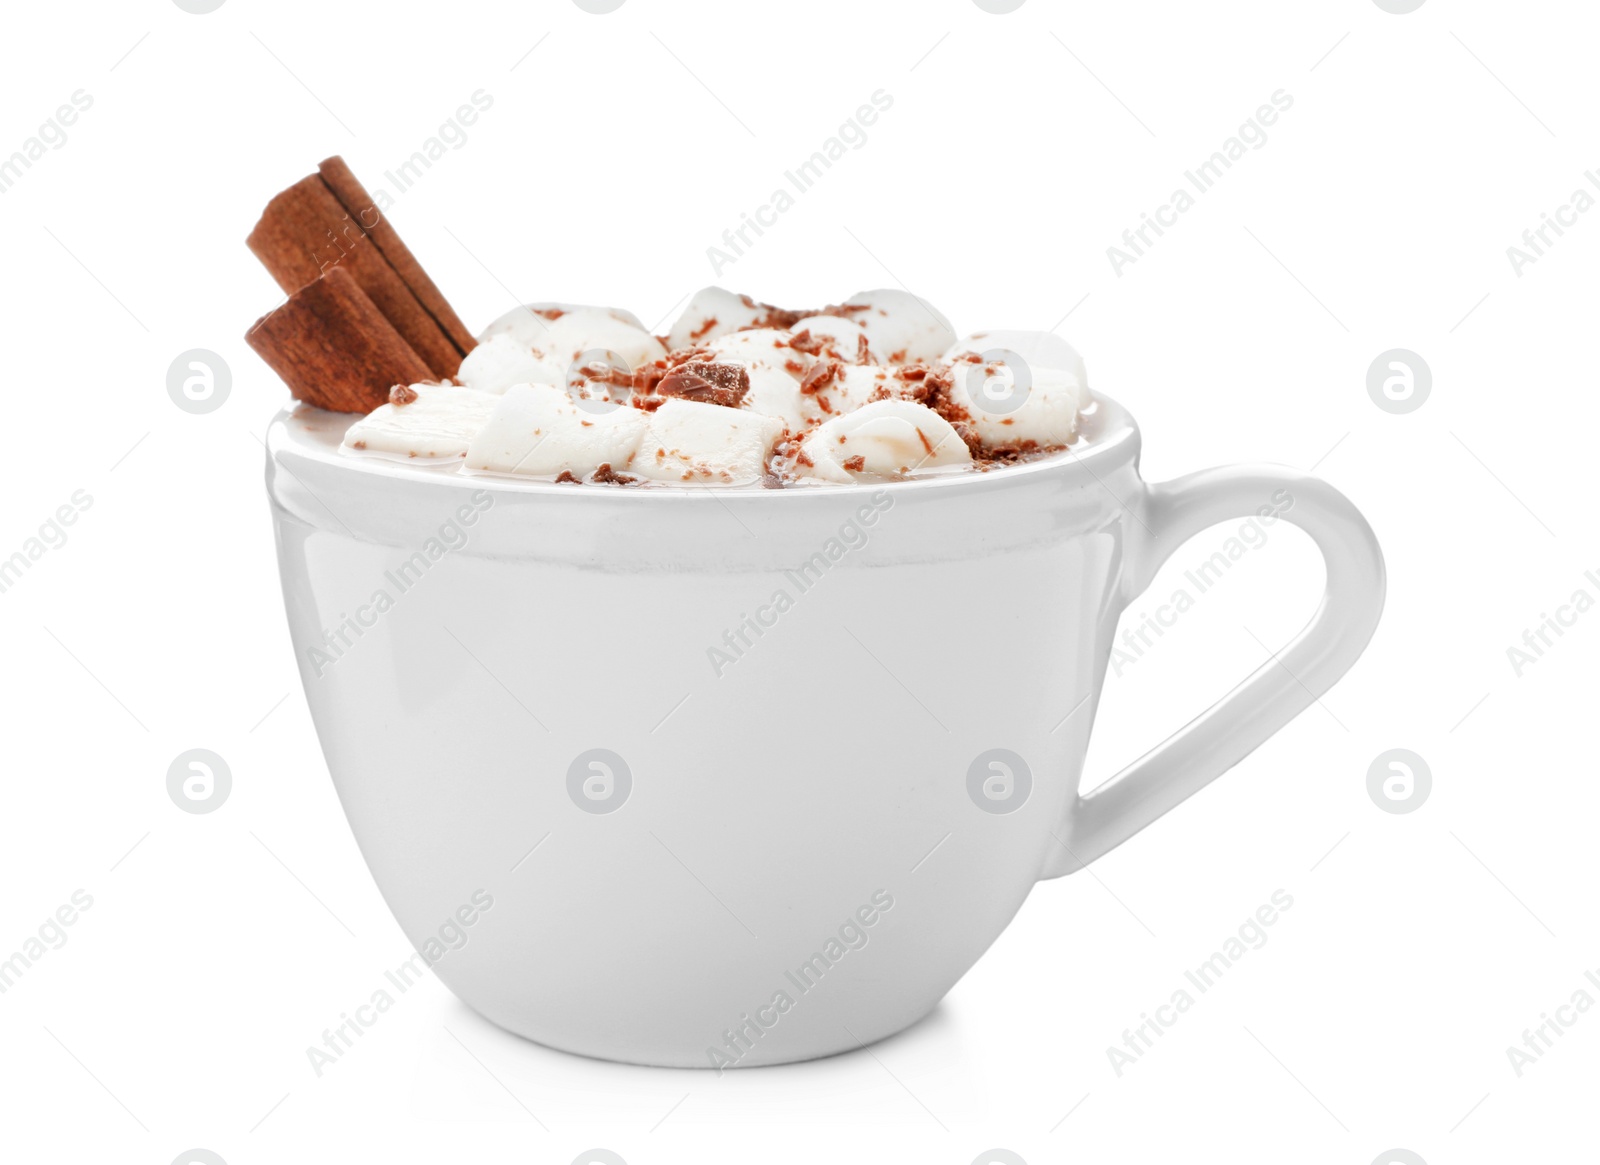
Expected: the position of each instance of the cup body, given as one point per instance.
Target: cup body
(703, 777)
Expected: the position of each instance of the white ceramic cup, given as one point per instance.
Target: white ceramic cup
(712, 776)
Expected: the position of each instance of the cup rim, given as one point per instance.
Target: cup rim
(1111, 436)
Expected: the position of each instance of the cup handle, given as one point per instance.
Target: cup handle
(1276, 692)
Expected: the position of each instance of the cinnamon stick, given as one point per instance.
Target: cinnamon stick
(333, 347)
(360, 205)
(315, 226)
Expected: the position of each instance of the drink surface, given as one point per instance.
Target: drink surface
(737, 393)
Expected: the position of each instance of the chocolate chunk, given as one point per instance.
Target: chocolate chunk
(648, 377)
(707, 382)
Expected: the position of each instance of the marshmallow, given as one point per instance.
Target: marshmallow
(501, 361)
(1039, 349)
(552, 308)
(858, 384)
(713, 313)
(599, 329)
(538, 430)
(761, 348)
(576, 331)
(686, 441)
(891, 437)
(1033, 394)
(901, 328)
(529, 324)
(430, 422)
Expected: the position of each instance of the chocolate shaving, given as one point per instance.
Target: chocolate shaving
(684, 355)
(1011, 452)
(805, 342)
(822, 374)
(601, 372)
(788, 448)
(774, 317)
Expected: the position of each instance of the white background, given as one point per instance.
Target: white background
(1018, 148)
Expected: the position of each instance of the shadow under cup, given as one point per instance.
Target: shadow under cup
(704, 776)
